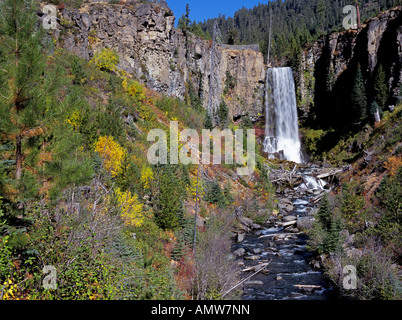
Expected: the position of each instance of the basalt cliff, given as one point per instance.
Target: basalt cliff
(163, 57)
(171, 61)
(328, 66)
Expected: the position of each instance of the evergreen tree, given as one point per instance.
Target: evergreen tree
(184, 20)
(380, 88)
(34, 110)
(215, 195)
(169, 209)
(321, 16)
(246, 122)
(359, 97)
(332, 239)
(324, 214)
(223, 113)
(27, 87)
(208, 124)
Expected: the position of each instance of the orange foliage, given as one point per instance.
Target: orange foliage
(393, 164)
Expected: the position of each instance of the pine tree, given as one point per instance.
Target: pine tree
(380, 88)
(184, 20)
(169, 212)
(321, 16)
(215, 195)
(332, 239)
(208, 121)
(29, 81)
(324, 214)
(36, 116)
(223, 113)
(359, 97)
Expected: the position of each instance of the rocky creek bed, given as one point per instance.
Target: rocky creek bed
(279, 249)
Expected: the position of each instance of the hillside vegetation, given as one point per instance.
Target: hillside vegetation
(78, 193)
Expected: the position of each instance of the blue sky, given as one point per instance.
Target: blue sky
(201, 10)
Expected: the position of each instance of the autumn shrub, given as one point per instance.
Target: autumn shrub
(216, 270)
(111, 153)
(352, 208)
(130, 208)
(134, 89)
(106, 60)
(376, 273)
(389, 228)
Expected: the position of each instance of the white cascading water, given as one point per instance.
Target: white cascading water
(312, 183)
(282, 127)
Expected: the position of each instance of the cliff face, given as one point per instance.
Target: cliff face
(328, 67)
(164, 58)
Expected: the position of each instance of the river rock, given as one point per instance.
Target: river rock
(239, 252)
(254, 257)
(256, 226)
(278, 278)
(257, 250)
(240, 237)
(305, 223)
(246, 221)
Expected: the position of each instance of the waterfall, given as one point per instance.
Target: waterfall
(282, 127)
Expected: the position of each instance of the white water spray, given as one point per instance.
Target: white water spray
(282, 127)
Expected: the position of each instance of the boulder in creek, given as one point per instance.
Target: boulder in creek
(258, 233)
(240, 237)
(289, 218)
(239, 252)
(254, 257)
(256, 226)
(305, 223)
(246, 221)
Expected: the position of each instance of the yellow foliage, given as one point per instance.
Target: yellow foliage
(131, 208)
(74, 119)
(393, 164)
(10, 290)
(134, 89)
(112, 154)
(147, 176)
(192, 188)
(106, 60)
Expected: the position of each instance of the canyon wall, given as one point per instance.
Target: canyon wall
(328, 67)
(163, 57)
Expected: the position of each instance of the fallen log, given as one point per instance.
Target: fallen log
(244, 280)
(328, 174)
(255, 268)
(287, 224)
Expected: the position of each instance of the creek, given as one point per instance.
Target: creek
(289, 274)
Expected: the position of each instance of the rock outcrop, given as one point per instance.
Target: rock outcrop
(329, 65)
(163, 57)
